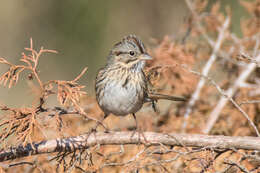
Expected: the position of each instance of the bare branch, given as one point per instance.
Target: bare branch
(229, 93)
(206, 69)
(118, 138)
(227, 97)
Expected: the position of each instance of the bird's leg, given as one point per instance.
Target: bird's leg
(153, 101)
(136, 125)
(97, 124)
(154, 106)
(139, 131)
(106, 129)
(101, 123)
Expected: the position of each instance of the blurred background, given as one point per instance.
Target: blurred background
(83, 32)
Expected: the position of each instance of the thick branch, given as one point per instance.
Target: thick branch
(118, 138)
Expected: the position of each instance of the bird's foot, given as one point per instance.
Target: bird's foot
(140, 134)
(99, 123)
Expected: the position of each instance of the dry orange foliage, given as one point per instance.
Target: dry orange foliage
(77, 112)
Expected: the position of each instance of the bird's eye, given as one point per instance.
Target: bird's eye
(132, 53)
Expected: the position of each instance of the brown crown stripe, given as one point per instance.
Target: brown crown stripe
(137, 42)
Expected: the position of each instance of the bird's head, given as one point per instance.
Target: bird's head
(129, 53)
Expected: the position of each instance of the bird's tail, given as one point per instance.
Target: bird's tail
(156, 96)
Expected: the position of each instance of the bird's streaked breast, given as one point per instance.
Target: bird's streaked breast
(120, 91)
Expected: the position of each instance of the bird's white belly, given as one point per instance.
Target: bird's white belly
(122, 100)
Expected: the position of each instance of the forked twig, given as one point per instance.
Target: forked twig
(225, 96)
(229, 94)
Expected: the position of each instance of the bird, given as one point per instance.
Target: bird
(121, 86)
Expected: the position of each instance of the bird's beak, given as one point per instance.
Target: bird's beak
(145, 57)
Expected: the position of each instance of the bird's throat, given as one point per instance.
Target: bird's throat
(138, 67)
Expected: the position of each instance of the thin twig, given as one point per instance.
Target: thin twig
(229, 94)
(240, 167)
(225, 96)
